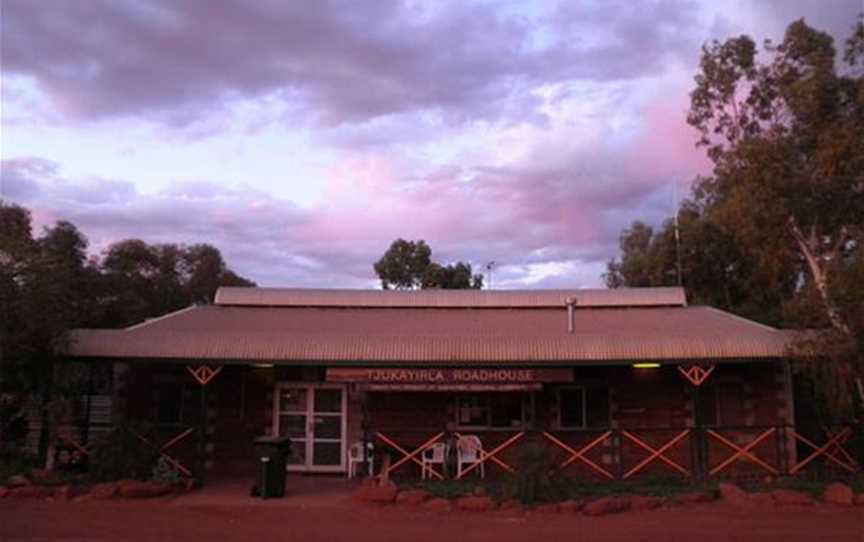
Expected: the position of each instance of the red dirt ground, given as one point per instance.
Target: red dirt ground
(226, 514)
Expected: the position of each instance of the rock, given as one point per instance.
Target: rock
(761, 498)
(383, 494)
(438, 505)
(188, 484)
(475, 503)
(695, 497)
(3, 491)
(733, 494)
(786, 497)
(133, 489)
(29, 492)
(63, 493)
(839, 494)
(511, 506)
(547, 508)
(606, 505)
(411, 497)
(107, 490)
(570, 507)
(18, 480)
(645, 502)
(42, 477)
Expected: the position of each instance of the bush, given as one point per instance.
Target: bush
(165, 473)
(450, 489)
(121, 454)
(16, 464)
(537, 478)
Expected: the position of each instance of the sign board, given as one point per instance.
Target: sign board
(450, 376)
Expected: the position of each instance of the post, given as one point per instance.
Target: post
(202, 435)
(85, 431)
(364, 424)
(700, 452)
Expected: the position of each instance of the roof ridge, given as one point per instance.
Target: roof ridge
(319, 297)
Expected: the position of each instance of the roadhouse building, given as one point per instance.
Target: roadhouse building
(621, 383)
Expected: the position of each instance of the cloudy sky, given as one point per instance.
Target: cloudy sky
(301, 138)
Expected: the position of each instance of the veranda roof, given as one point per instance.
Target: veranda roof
(356, 327)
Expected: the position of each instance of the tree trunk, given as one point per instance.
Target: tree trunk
(820, 279)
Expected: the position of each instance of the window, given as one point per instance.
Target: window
(492, 410)
(580, 407)
(721, 403)
(178, 403)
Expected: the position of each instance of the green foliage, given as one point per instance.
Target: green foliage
(655, 487)
(13, 424)
(121, 454)
(19, 463)
(48, 286)
(775, 232)
(407, 265)
(165, 473)
(537, 478)
(452, 489)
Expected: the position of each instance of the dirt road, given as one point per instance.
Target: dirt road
(336, 517)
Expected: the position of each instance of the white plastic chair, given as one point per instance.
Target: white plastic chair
(435, 454)
(469, 450)
(356, 457)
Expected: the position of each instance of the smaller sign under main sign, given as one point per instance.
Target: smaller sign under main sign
(450, 375)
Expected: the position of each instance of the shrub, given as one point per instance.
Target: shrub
(537, 479)
(165, 473)
(121, 454)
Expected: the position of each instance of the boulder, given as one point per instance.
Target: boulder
(411, 497)
(839, 494)
(135, 489)
(438, 505)
(43, 477)
(695, 497)
(787, 497)
(606, 505)
(18, 480)
(381, 494)
(106, 490)
(63, 493)
(511, 505)
(475, 503)
(375, 490)
(547, 508)
(761, 498)
(733, 494)
(645, 502)
(29, 492)
(570, 506)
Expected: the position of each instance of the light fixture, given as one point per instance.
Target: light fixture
(262, 365)
(646, 365)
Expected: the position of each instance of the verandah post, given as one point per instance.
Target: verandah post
(202, 433)
(698, 444)
(364, 425)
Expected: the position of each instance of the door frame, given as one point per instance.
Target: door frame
(310, 388)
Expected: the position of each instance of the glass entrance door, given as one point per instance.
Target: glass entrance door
(313, 416)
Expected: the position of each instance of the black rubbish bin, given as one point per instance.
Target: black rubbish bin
(271, 454)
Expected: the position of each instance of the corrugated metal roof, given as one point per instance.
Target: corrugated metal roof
(303, 297)
(435, 335)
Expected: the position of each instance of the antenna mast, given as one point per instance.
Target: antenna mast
(677, 231)
(489, 267)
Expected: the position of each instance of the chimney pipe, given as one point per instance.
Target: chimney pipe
(570, 301)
